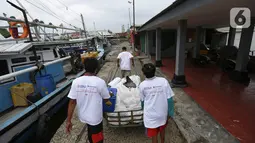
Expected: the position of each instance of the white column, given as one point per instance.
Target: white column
(158, 48)
(180, 49)
(147, 43)
(244, 48)
(150, 42)
(241, 74)
(231, 36)
(179, 76)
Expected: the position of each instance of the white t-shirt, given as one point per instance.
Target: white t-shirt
(155, 92)
(89, 92)
(125, 63)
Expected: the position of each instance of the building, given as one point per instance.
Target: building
(187, 26)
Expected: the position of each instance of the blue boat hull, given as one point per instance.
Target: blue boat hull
(57, 116)
(24, 126)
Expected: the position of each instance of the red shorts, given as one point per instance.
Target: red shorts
(151, 132)
(95, 133)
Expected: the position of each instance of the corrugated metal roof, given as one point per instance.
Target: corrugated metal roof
(10, 49)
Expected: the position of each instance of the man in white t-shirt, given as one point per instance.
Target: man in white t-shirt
(88, 92)
(156, 97)
(124, 60)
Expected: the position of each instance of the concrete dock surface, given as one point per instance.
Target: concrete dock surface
(191, 123)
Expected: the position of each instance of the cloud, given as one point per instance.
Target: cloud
(107, 14)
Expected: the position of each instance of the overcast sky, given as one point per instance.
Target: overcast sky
(107, 14)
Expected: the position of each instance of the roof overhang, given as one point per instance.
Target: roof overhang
(14, 49)
(206, 13)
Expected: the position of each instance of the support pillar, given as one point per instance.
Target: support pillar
(179, 79)
(150, 42)
(241, 74)
(147, 43)
(231, 36)
(199, 34)
(158, 48)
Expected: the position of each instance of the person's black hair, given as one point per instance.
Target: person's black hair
(149, 70)
(91, 65)
(124, 48)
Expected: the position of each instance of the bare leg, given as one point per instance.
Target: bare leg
(155, 139)
(122, 73)
(129, 73)
(162, 136)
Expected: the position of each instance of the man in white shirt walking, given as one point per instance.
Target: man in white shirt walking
(88, 92)
(156, 97)
(124, 60)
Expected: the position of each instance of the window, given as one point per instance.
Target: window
(3, 67)
(33, 58)
(19, 60)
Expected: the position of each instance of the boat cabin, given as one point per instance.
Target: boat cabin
(16, 57)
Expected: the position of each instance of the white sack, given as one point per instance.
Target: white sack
(127, 99)
(114, 82)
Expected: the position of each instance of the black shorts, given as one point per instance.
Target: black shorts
(95, 133)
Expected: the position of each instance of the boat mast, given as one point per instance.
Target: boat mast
(83, 24)
(94, 26)
(28, 27)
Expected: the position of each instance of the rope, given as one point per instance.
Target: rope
(49, 13)
(46, 7)
(67, 7)
(31, 103)
(65, 11)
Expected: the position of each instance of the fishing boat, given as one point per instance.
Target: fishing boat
(35, 78)
(17, 64)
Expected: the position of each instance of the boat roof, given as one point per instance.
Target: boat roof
(18, 48)
(82, 39)
(14, 48)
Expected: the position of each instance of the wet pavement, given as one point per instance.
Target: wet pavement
(229, 103)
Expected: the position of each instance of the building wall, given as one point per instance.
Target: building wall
(169, 39)
(168, 43)
(142, 41)
(153, 47)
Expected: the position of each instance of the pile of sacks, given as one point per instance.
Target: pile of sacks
(127, 99)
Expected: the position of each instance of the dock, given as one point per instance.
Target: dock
(113, 135)
(191, 123)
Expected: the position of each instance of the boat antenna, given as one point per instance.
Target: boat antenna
(25, 17)
(28, 27)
